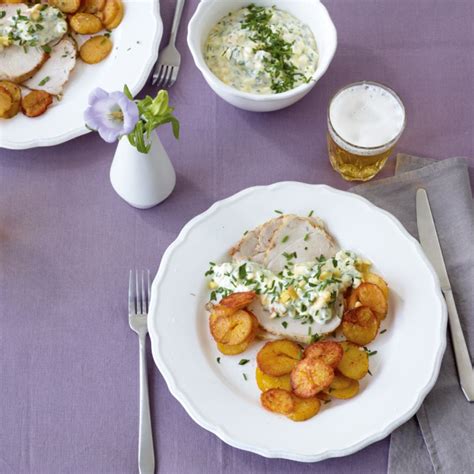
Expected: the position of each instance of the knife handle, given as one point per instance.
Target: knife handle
(461, 352)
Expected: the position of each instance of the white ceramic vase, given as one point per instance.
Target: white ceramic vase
(142, 180)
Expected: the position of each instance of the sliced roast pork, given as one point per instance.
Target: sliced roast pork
(16, 63)
(55, 73)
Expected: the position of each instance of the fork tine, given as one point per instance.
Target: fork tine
(163, 75)
(174, 76)
(131, 298)
(137, 294)
(144, 300)
(159, 75)
(149, 291)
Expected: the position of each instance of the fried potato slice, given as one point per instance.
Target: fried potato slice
(6, 102)
(85, 23)
(219, 310)
(233, 329)
(368, 294)
(92, 6)
(278, 400)
(304, 408)
(229, 350)
(311, 376)
(360, 325)
(113, 13)
(35, 103)
(238, 301)
(376, 280)
(355, 361)
(339, 382)
(95, 49)
(266, 382)
(347, 392)
(15, 92)
(66, 6)
(278, 357)
(329, 352)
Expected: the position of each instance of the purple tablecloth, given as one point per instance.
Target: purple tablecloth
(68, 361)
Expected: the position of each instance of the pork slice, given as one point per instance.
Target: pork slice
(294, 330)
(18, 65)
(299, 239)
(53, 76)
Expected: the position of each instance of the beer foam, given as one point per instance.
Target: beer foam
(367, 115)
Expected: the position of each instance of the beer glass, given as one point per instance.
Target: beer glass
(365, 121)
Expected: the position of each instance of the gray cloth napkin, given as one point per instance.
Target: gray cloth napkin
(440, 438)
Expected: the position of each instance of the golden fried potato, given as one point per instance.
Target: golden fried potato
(229, 350)
(85, 23)
(339, 382)
(6, 102)
(238, 301)
(266, 382)
(66, 6)
(350, 391)
(278, 357)
(376, 280)
(15, 92)
(311, 376)
(233, 329)
(95, 49)
(35, 103)
(278, 400)
(92, 6)
(368, 294)
(329, 352)
(355, 361)
(304, 408)
(113, 13)
(360, 325)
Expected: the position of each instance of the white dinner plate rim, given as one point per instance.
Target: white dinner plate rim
(200, 418)
(135, 87)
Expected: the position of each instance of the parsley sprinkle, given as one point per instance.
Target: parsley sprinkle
(243, 361)
(2, 13)
(285, 239)
(243, 271)
(306, 237)
(218, 360)
(284, 324)
(44, 81)
(278, 212)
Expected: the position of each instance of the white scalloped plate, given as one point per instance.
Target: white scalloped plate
(136, 43)
(218, 397)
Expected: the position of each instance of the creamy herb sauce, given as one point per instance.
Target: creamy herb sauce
(235, 54)
(312, 291)
(35, 26)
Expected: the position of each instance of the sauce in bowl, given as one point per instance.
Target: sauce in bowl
(261, 50)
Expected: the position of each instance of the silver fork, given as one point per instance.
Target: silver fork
(138, 304)
(167, 68)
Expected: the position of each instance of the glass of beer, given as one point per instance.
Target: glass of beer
(365, 121)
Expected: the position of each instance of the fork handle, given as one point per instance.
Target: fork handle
(146, 455)
(176, 20)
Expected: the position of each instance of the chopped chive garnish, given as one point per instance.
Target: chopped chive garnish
(306, 237)
(285, 239)
(44, 81)
(245, 376)
(218, 360)
(384, 330)
(278, 211)
(310, 213)
(246, 232)
(243, 361)
(284, 324)
(370, 373)
(243, 271)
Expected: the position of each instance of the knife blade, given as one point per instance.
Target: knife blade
(432, 248)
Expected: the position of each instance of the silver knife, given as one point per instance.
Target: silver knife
(430, 243)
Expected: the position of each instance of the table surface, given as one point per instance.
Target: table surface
(68, 360)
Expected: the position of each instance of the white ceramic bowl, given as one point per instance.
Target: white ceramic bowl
(311, 12)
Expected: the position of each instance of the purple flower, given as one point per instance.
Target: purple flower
(112, 115)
